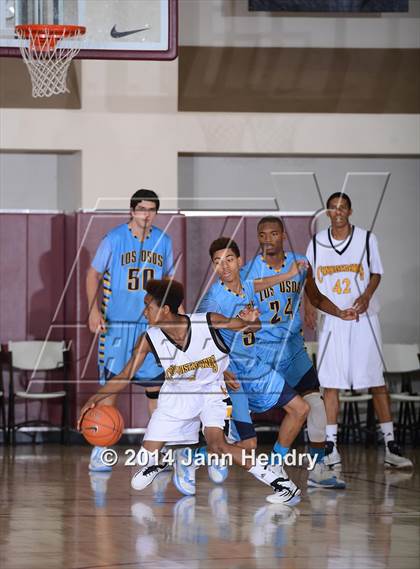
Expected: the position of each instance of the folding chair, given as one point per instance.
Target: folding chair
(35, 357)
(403, 360)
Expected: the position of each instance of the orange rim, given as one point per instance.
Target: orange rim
(38, 34)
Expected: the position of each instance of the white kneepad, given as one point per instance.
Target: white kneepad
(317, 419)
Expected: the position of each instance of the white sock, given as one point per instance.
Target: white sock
(263, 474)
(387, 431)
(331, 433)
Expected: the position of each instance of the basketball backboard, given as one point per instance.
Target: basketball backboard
(116, 29)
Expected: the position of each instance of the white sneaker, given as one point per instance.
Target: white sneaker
(285, 490)
(332, 457)
(324, 477)
(145, 476)
(184, 473)
(394, 458)
(96, 464)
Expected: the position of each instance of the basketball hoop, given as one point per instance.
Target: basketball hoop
(48, 62)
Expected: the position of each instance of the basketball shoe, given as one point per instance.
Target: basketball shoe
(145, 476)
(394, 457)
(184, 473)
(324, 477)
(96, 464)
(332, 456)
(285, 490)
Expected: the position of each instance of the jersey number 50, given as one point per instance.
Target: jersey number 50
(133, 279)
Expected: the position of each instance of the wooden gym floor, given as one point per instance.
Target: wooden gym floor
(50, 517)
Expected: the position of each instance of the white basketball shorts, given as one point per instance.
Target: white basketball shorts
(349, 353)
(171, 425)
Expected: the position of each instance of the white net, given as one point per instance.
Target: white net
(47, 62)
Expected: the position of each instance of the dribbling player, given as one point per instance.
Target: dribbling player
(194, 356)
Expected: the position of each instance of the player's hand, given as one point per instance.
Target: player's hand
(361, 304)
(251, 316)
(96, 321)
(298, 267)
(349, 314)
(230, 379)
(90, 404)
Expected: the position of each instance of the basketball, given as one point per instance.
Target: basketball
(102, 426)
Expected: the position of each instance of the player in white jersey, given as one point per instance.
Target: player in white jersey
(194, 357)
(347, 268)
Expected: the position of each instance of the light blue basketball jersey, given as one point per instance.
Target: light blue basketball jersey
(280, 340)
(262, 385)
(126, 264)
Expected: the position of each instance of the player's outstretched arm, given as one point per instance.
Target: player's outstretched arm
(120, 381)
(249, 320)
(297, 267)
(318, 300)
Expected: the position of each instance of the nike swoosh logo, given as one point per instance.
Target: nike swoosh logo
(116, 34)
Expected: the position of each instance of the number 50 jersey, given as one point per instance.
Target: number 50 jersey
(127, 264)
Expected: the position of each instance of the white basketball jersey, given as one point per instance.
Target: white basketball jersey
(198, 366)
(342, 269)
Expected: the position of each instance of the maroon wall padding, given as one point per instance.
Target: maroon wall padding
(201, 231)
(44, 259)
(31, 284)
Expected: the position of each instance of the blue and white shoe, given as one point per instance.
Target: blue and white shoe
(217, 472)
(96, 464)
(184, 473)
(323, 477)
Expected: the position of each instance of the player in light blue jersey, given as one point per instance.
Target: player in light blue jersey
(280, 342)
(258, 387)
(229, 296)
(281, 339)
(127, 257)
